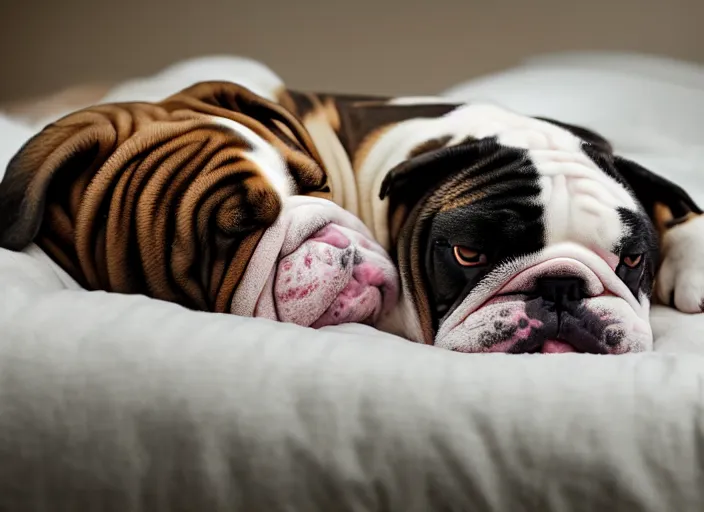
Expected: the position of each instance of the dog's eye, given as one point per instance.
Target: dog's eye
(632, 260)
(468, 257)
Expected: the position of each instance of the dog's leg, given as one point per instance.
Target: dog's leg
(680, 225)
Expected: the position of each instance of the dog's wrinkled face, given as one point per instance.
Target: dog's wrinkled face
(510, 283)
(533, 243)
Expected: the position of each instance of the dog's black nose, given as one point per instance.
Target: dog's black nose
(559, 289)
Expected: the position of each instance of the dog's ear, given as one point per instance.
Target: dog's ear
(666, 203)
(427, 166)
(430, 163)
(62, 152)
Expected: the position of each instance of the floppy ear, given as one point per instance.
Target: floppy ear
(63, 151)
(141, 198)
(666, 203)
(428, 165)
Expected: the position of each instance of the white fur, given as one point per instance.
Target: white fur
(264, 156)
(421, 100)
(682, 269)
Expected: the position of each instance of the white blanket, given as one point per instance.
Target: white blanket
(117, 402)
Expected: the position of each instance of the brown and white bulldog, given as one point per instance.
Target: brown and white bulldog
(509, 233)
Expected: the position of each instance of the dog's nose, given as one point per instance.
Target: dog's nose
(561, 289)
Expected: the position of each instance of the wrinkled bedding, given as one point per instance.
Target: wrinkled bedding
(115, 402)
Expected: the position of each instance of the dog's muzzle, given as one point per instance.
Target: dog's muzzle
(565, 299)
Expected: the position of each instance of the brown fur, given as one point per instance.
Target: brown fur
(155, 199)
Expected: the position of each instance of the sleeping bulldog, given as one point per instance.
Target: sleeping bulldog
(465, 226)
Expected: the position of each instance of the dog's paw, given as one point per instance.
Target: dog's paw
(680, 281)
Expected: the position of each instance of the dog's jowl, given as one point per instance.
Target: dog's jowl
(466, 226)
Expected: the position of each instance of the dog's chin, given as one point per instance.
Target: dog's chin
(516, 325)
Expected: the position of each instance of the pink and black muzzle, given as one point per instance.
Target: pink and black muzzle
(565, 299)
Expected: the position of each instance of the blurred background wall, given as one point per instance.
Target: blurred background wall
(372, 46)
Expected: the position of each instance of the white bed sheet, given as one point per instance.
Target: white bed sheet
(128, 395)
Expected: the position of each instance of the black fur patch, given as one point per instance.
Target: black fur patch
(502, 219)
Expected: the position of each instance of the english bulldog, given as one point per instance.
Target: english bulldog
(466, 226)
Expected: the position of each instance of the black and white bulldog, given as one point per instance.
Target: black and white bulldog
(510, 233)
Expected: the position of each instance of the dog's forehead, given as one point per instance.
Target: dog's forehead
(510, 128)
(553, 149)
(581, 200)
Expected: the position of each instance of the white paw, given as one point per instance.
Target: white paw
(681, 276)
